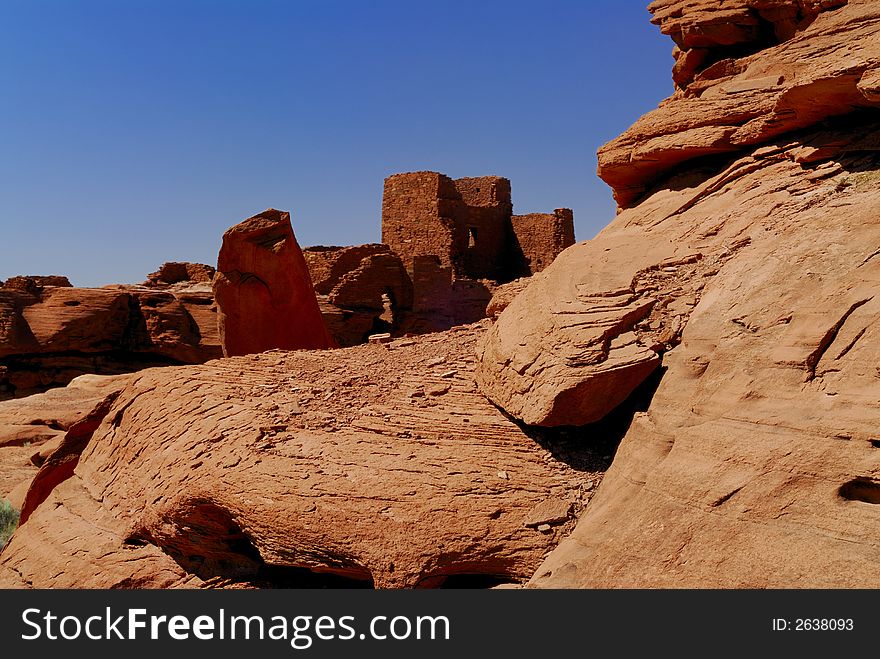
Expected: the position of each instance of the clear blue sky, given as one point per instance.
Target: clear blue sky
(136, 132)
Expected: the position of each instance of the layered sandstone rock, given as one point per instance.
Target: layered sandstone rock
(756, 464)
(177, 272)
(34, 283)
(824, 68)
(263, 289)
(362, 289)
(51, 332)
(328, 265)
(755, 279)
(380, 464)
(31, 428)
(586, 334)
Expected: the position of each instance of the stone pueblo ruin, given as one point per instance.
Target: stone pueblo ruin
(689, 399)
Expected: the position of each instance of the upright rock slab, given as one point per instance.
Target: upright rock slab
(263, 291)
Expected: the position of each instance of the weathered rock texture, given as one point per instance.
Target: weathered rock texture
(740, 102)
(757, 463)
(31, 428)
(328, 265)
(755, 278)
(380, 463)
(34, 283)
(51, 332)
(263, 290)
(361, 290)
(175, 272)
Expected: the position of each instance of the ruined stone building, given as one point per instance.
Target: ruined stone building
(468, 224)
(447, 244)
(447, 247)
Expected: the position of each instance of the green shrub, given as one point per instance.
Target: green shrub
(8, 521)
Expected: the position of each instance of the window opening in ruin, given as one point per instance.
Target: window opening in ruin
(387, 309)
(472, 237)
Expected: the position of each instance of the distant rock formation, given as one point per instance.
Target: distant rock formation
(51, 332)
(263, 291)
(361, 289)
(174, 272)
(34, 283)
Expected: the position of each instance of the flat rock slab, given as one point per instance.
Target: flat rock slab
(263, 469)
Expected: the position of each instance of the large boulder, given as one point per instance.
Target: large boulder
(376, 464)
(800, 72)
(31, 428)
(263, 289)
(593, 326)
(756, 463)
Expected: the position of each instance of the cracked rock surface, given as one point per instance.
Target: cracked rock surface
(377, 464)
(754, 276)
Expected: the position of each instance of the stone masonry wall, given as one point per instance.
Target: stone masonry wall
(418, 216)
(328, 265)
(540, 237)
(464, 222)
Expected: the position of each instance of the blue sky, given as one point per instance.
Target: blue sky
(136, 132)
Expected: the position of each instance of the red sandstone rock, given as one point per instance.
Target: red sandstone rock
(379, 281)
(755, 279)
(328, 265)
(257, 470)
(440, 301)
(504, 295)
(734, 104)
(58, 466)
(174, 272)
(29, 425)
(263, 289)
(361, 289)
(755, 464)
(34, 283)
(50, 334)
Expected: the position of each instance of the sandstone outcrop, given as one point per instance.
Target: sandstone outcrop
(756, 463)
(802, 71)
(177, 272)
(263, 291)
(376, 464)
(361, 289)
(754, 279)
(51, 332)
(34, 283)
(582, 337)
(31, 428)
